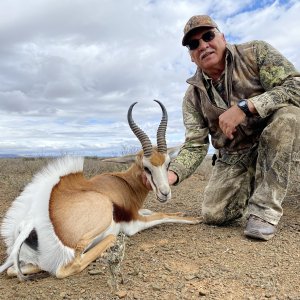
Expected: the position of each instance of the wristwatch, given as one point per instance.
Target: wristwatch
(243, 105)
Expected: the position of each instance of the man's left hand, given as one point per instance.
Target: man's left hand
(230, 119)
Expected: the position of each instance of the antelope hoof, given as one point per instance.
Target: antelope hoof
(197, 220)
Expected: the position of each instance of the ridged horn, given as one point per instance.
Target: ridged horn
(161, 131)
(139, 133)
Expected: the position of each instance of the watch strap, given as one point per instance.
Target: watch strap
(243, 105)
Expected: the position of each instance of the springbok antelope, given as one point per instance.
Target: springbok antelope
(62, 221)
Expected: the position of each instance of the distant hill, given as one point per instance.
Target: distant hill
(9, 156)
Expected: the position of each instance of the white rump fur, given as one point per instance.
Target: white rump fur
(31, 211)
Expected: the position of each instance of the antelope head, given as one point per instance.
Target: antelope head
(155, 160)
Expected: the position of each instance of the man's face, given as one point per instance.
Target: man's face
(211, 54)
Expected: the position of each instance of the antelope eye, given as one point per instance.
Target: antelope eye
(147, 170)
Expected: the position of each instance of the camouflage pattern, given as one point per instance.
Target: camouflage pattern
(256, 165)
(229, 188)
(195, 147)
(261, 177)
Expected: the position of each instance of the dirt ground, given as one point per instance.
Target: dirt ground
(171, 261)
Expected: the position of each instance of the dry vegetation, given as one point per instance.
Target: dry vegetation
(171, 261)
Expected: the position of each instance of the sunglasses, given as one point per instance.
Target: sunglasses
(206, 37)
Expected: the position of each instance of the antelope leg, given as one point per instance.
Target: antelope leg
(146, 221)
(26, 270)
(82, 260)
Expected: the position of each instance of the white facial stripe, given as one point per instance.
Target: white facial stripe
(158, 179)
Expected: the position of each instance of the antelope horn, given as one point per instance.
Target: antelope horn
(161, 131)
(139, 133)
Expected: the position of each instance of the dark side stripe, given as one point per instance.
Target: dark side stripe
(121, 215)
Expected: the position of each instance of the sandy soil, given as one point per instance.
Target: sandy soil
(172, 261)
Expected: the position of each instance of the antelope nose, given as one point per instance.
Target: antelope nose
(165, 190)
(164, 194)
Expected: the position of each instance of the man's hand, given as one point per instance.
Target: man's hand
(172, 177)
(230, 119)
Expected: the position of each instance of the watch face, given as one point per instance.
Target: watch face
(242, 103)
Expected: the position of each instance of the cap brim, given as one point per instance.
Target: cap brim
(192, 31)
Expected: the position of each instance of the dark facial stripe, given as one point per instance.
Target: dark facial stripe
(154, 183)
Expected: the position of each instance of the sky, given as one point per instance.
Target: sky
(69, 69)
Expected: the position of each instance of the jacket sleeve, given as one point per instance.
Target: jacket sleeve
(278, 77)
(195, 147)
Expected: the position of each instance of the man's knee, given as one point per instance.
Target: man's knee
(213, 206)
(223, 203)
(212, 217)
(221, 216)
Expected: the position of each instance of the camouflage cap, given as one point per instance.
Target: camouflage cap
(195, 23)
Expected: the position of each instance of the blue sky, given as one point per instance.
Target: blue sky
(70, 69)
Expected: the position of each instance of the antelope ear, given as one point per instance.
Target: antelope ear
(173, 151)
(126, 159)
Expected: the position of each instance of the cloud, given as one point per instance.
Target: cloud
(70, 69)
(276, 23)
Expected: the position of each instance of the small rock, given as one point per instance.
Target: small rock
(156, 287)
(167, 268)
(134, 273)
(63, 294)
(190, 277)
(121, 294)
(202, 292)
(95, 272)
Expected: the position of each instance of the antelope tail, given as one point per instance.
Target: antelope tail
(13, 258)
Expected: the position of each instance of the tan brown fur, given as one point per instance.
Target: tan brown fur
(157, 159)
(73, 197)
(70, 209)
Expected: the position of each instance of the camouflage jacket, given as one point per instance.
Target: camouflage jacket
(254, 71)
